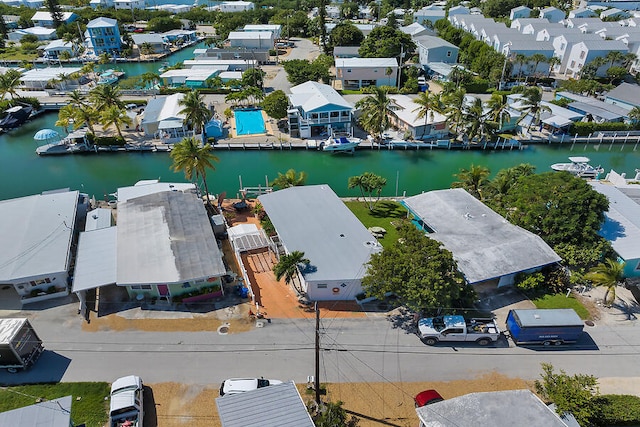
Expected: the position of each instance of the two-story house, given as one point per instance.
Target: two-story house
(356, 73)
(104, 35)
(552, 14)
(519, 12)
(586, 51)
(434, 49)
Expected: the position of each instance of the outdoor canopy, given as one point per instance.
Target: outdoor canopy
(46, 135)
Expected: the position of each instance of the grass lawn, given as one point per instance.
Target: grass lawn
(15, 54)
(91, 409)
(383, 213)
(561, 301)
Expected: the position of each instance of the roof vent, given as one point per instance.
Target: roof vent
(342, 235)
(536, 316)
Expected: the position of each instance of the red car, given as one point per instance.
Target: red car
(427, 397)
(139, 30)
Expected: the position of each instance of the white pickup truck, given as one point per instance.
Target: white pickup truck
(126, 406)
(455, 328)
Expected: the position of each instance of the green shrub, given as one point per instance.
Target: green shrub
(477, 86)
(588, 128)
(105, 140)
(529, 282)
(617, 410)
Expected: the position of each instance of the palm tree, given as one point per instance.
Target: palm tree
(634, 114)
(537, 58)
(374, 107)
(77, 99)
(497, 105)
(521, 59)
(553, 61)
(289, 179)
(477, 123)
(288, 266)
(196, 112)
(114, 116)
(104, 58)
(149, 78)
(429, 103)
(609, 274)
(9, 82)
(613, 56)
(454, 108)
(532, 104)
(103, 96)
(66, 117)
(473, 180)
(188, 156)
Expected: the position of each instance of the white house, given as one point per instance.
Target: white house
(312, 219)
(129, 4)
(356, 73)
(43, 19)
(403, 113)
(586, 51)
(221, 64)
(40, 78)
(251, 39)
(156, 42)
(235, 6)
(520, 23)
(563, 43)
(56, 47)
(552, 14)
(519, 12)
(42, 33)
(162, 116)
(415, 30)
(428, 15)
(276, 29)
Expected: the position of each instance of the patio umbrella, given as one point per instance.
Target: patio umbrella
(46, 135)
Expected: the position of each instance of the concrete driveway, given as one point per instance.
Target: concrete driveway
(276, 78)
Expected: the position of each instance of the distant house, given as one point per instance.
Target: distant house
(346, 52)
(564, 42)
(192, 78)
(42, 33)
(403, 114)
(36, 233)
(356, 73)
(428, 15)
(312, 219)
(232, 53)
(44, 19)
(597, 111)
(101, 3)
(614, 14)
(626, 95)
(435, 49)
(251, 39)
(41, 78)
(622, 221)
(519, 12)
(180, 36)
(584, 52)
(155, 42)
(582, 12)
(11, 21)
(235, 6)
(552, 14)
(276, 29)
(104, 35)
(520, 23)
(56, 47)
(415, 30)
(49, 413)
(162, 116)
(221, 64)
(500, 250)
(317, 110)
(129, 4)
(459, 10)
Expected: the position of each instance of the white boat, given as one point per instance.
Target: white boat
(341, 143)
(579, 166)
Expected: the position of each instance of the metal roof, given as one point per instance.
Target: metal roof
(36, 234)
(484, 244)
(102, 22)
(246, 237)
(278, 405)
(602, 111)
(9, 327)
(622, 223)
(627, 93)
(366, 62)
(52, 413)
(165, 238)
(406, 110)
(431, 42)
(312, 96)
(143, 188)
(163, 108)
(312, 219)
(548, 317)
(490, 409)
(96, 259)
(98, 218)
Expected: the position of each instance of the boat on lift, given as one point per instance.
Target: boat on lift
(579, 166)
(341, 144)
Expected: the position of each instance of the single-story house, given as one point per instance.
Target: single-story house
(162, 115)
(235, 6)
(494, 408)
(190, 77)
(42, 33)
(622, 221)
(11, 21)
(416, 29)
(317, 109)
(403, 114)
(56, 47)
(180, 36)
(484, 244)
(230, 64)
(155, 41)
(251, 39)
(229, 53)
(43, 18)
(129, 4)
(276, 29)
(49, 413)
(274, 406)
(594, 109)
(314, 220)
(626, 95)
(356, 73)
(37, 233)
(40, 78)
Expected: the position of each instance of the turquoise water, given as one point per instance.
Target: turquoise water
(249, 122)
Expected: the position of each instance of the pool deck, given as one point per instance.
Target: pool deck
(268, 125)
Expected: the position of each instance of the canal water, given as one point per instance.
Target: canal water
(407, 171)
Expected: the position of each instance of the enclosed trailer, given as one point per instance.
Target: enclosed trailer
(20, 346)
(544, 326)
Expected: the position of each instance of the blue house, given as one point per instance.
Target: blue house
(105, 35)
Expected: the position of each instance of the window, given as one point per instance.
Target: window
(582, 54)
(448, 54)
(322, 286)
(573, 64)
(348, 70)
(141, 287)
(109, 31)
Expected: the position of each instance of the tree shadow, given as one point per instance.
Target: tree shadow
(405, 319)
(388, 209)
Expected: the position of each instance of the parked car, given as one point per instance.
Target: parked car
(282, 45)
(126, 407)
(240, 385)
(427, 397)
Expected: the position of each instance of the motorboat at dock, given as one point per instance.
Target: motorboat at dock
(579, 166)
(341, 144)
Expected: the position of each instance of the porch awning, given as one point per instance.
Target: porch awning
(170, 124)
(557, 121)
(96, 261)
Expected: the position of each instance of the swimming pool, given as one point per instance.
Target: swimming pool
(249, 122)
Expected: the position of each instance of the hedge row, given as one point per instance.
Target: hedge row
(588, 128)
(617, 410)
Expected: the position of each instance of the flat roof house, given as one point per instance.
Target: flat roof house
(356, 73)
(252, 39)
(36, 234)
(484, 244)
(314, 220)
(317, 109)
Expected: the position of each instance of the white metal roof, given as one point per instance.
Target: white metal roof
(143, 188)
(312, 96)
(96, 259)
(250, 35)
(407, 111)
(46, 74)
(165, 237)
(98, 218)
(35, 233)
(247, 236)
(42, 15)
(102, 22)
(484, 244)
(366, 62)
(312, 219)
(195, 73)
(164, 108)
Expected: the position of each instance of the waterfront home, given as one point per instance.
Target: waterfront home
(43, 19)
(129, 4)
(162, 247)
(435, 49)
(553, 118)
(595, 110)
(234, 6)
(563, 43)
(403, 114)
(316, 110)
(519, 12)
(155, 42)
(586, 51)
(56, 47)
(37, 234)
(621, 226)
(179, 37)
(104, 35)
(162, 117)
(276, 29)
(190, 77)
(626, 95)
(221, 64)
(486, 247)
(57, 77)
(230, 53)
(251, 39)
(430, 14)
(552, 14)
(312, 219)
(356, 73)
(41, 33)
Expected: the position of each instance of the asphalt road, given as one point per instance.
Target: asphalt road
(304, 49)
(365, 350)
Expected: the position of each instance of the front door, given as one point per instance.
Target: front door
(163, 291)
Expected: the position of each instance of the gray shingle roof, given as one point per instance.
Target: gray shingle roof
(626, 92)
(430, 42)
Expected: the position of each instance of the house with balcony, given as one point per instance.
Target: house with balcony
(317, 110)
(403, 114)
(44, 19)
(356, 73)
(104, 35)
(582, 53)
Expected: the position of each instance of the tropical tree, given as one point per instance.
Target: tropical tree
(149, 78)
(253, 77)
(369, 184)
(103, 96)
(65, 117)
(473, 180)
(194, 160)
(455, 103)
(196, 112)
(374, 107)
(104, 58)
(553, 61)
(498, 108)
(609, 274)
(275, 104)
(55, 11)
(634, 114)
(612, 57)
(288, 267)
(289, 179)
(429, 103)
(345, 34)
(477, 123)
(115, 116)
(521, 59)
(532, 105)
(147, 49)
(9, 82)
(85, 115)
(536, 59)
(384, 41)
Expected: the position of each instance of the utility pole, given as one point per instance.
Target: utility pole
(504, 66)
(400, 65)
(316, 384)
